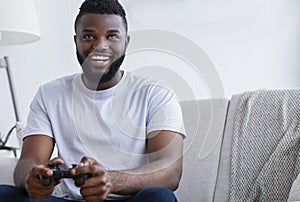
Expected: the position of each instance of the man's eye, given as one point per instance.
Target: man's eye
(114, 37)
(87, 37)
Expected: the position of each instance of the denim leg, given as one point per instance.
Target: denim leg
(154, 194)
(10, 193)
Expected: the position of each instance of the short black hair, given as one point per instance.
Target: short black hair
(102, 7)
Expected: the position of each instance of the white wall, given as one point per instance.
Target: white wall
(253, 43)
(244, 45)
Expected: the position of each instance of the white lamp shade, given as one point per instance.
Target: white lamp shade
(18, 22)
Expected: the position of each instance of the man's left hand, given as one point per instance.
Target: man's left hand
(97, 187)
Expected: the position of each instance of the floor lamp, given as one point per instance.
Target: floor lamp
(18, 25)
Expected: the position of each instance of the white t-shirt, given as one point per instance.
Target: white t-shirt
(110, 125)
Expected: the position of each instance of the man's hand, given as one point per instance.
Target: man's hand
(97, 187)
(33, 183)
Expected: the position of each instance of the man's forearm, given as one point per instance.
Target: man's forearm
(157, 173)
(36, 150)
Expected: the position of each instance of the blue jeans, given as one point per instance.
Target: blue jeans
(10, 193)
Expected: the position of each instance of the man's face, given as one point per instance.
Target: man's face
(101, 41)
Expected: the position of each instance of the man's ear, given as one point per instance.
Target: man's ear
(74, 37)
(127, 40)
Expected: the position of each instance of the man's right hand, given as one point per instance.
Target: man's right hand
(36, 190)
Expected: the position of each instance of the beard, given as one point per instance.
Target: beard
(100, 78)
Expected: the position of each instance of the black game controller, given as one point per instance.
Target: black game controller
(59, 172)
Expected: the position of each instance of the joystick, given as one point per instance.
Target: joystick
(59, 172)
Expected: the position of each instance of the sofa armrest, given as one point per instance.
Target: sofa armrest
(294, 195)
(7, 166)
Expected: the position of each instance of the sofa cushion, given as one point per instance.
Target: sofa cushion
(7, 166)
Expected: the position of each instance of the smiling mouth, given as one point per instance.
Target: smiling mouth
(100, 58)
(100, 61)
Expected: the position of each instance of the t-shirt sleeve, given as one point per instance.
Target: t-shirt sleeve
(38, 121)
(164, 112)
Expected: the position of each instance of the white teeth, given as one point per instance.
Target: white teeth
(99, 57)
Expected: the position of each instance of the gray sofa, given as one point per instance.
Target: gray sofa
(208, 149)
(207, 153)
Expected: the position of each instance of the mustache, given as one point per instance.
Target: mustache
(98, 78)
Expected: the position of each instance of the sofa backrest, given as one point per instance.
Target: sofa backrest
(204, 122)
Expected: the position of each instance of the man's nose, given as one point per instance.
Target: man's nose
(100, 44)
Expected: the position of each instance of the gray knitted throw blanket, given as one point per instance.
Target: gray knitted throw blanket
(265, 147)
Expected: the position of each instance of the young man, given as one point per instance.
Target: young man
(124, 131)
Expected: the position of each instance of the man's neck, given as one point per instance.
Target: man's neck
(103, 86)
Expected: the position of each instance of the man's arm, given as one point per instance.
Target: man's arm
(164, 170)
(36, 152)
